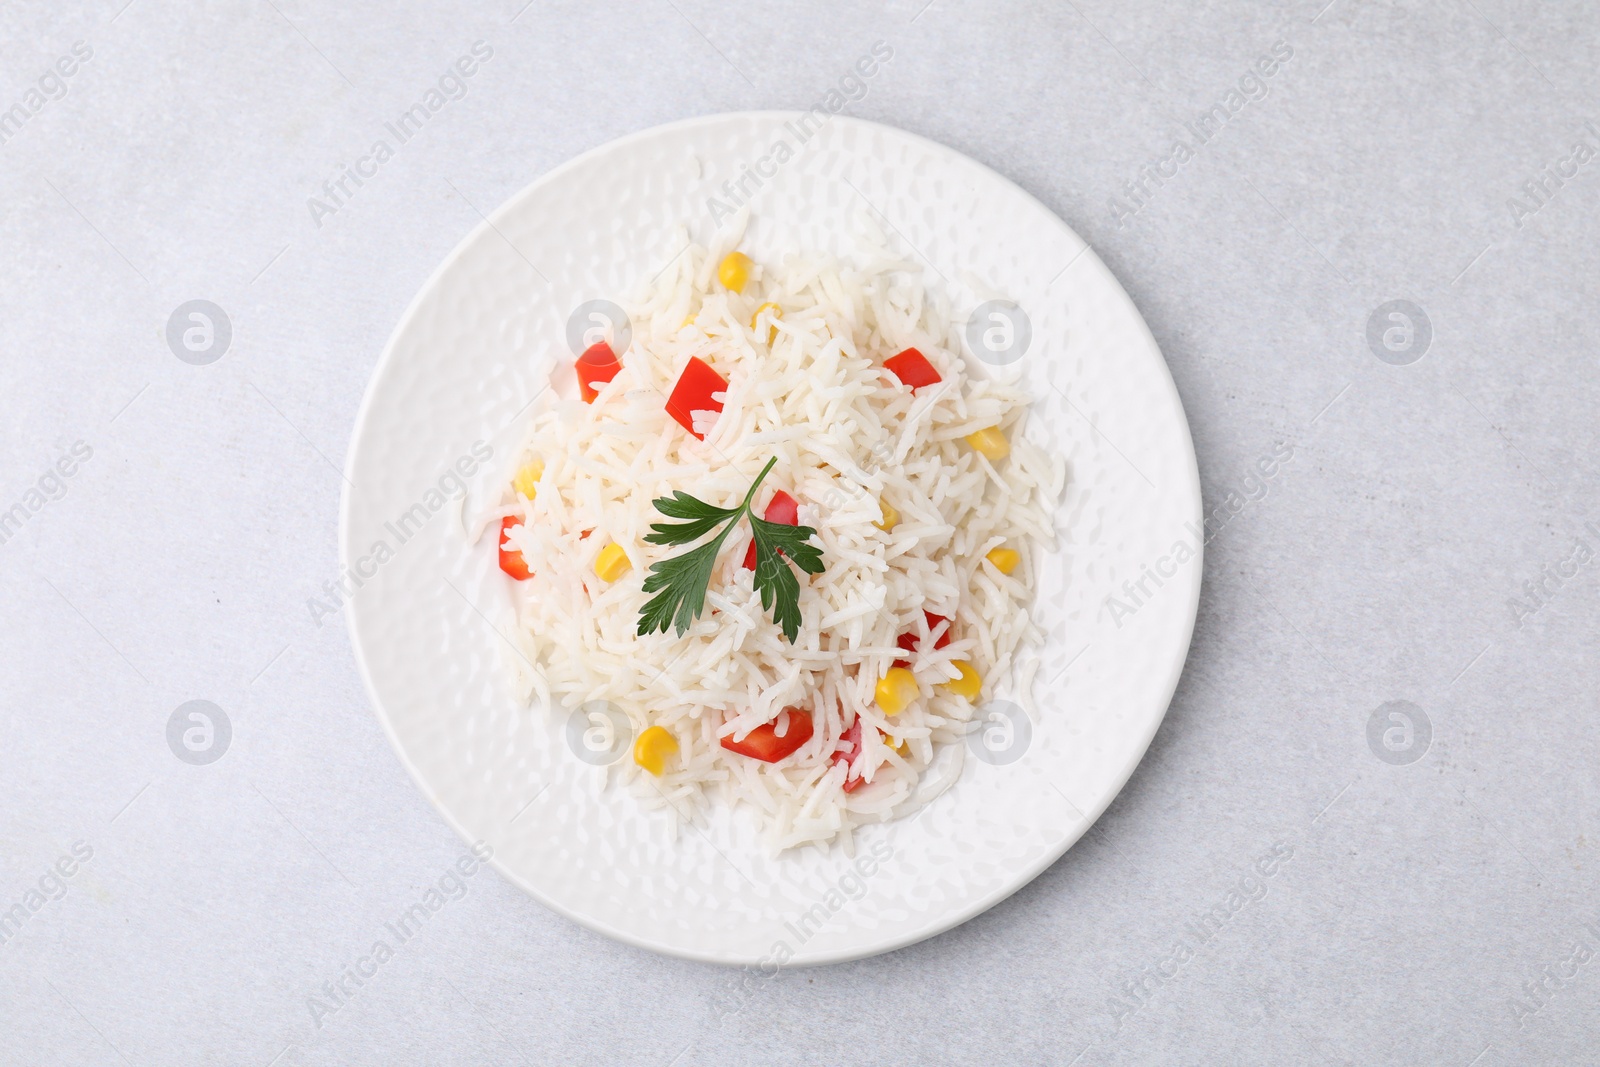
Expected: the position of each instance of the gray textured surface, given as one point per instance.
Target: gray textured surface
(1422, 903)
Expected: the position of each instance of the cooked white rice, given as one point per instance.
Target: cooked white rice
(846, 435)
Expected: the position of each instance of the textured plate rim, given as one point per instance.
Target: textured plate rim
(1019, 877)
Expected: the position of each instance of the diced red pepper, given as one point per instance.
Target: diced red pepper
(597, 366)
(936, 621)
(693, 393)
(511, 560)
(912, 368)
(849, 744)
(849, 748)
(782, 508)
(909, 641)
(763, 743)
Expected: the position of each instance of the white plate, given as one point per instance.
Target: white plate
(479, 342)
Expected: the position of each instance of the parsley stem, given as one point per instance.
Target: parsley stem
(745, 507)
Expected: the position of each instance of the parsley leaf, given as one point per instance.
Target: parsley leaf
(681, 505)
(680, 582)
(779, 589)
(703, 518)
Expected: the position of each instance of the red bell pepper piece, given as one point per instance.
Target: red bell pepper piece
(912, 368)
(782, 508)
(909, 641)
(763, 743)
(597, 366)
(511, 560)
(849, 748)
(693, 393)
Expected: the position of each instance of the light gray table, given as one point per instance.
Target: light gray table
(1432, 896)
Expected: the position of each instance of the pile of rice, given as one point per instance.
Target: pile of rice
(847, 435)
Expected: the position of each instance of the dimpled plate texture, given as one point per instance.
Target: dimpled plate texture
(481, 340)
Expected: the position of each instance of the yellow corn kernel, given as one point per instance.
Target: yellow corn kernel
(734, 271)
(896, 690)
(991, 443)
(612, 563)
(1005, 559)
(897, 747)
(527, 480)
(890, 516)
(775, 311)
(968, 684)
(687, 320)
(653, 748)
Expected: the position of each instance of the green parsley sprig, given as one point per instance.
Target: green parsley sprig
(680, 582)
